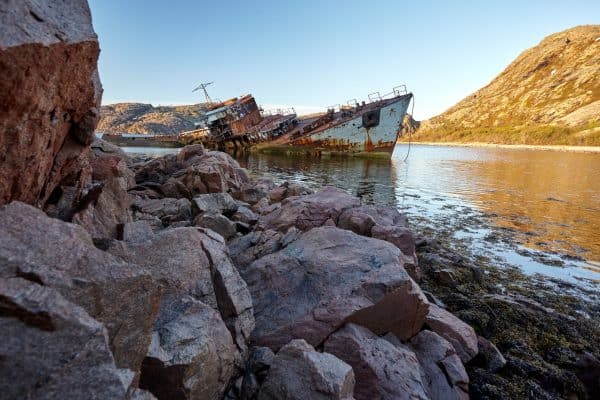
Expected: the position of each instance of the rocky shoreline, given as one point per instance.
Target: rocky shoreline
(221, 286)
(180, 277)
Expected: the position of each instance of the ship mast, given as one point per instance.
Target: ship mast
(203, 87)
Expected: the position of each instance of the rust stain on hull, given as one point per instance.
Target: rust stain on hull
(357, 128)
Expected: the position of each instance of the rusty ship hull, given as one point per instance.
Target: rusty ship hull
(374, 129)
(356, 128)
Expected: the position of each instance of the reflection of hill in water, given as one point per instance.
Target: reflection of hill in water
(551, 197)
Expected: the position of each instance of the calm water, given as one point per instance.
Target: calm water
(538, 210)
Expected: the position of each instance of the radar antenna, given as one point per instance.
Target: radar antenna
(203, 87)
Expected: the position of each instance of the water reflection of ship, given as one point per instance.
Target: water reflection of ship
(376, 184)
(372, 180)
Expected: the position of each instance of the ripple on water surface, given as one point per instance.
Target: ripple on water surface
(539, 210)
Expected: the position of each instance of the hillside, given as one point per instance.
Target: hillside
(144, 118)
(550, 94)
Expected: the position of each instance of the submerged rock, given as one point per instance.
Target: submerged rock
(326, 277)
(299, 372)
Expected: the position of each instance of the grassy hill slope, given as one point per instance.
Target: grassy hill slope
(550, 94)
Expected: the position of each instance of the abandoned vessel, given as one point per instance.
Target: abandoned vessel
(353, 128)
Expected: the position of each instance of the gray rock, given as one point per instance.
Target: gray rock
(168, 210)
(232, 294)
(288, 189)
(260, 360)
(62, 256)
(174, 188)
(213, 172)
(443, 372)
(329, 276)
(104, 216)
(402, 238)
(263, 207)
(252, 192)
(299, 372)
(248, 248)
(214, 203)
(306, 212)
(384, 215)
(357, 221)
(383, 371)
(246, 215)
(51, 348)
(192, 354)
(218, 223)
(175, 259)
(462, 337)
(138, 231)
(189, 154)
(189, 261)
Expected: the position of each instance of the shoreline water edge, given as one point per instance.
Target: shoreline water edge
(575, 149)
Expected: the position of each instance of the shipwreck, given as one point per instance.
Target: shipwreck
(366, 127)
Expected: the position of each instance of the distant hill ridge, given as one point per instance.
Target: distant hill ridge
(550, 94)
(145, 118)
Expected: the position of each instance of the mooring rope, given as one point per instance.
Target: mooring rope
(412, 111)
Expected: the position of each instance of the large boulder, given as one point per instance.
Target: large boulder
(329, 276)
(309, 211)
(175, 259)
(384, 371)
(213, 172)
(443, 372)
(49, 99)
(194, 262)
(299, 372)
(191, 356)
(62, 256)
(462, 337)
(51, 348)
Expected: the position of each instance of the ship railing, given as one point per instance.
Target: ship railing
(396, 91)
(400, 90)
(278, 111)
(373, 97)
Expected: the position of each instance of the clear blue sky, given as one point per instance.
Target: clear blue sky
(318, 53)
